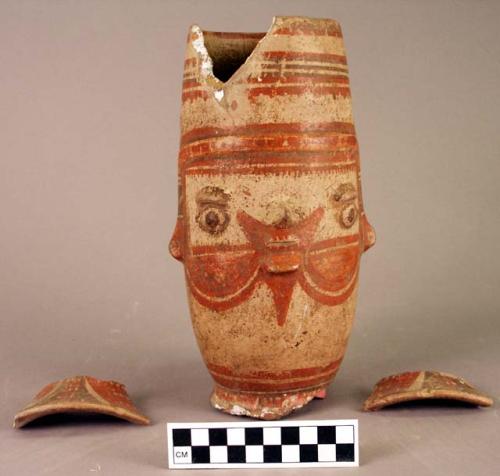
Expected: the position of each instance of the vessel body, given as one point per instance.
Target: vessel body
(271, 224)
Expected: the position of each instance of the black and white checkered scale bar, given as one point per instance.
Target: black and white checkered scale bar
(319, 443)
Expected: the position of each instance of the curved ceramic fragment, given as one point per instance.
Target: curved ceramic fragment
(81, 394)
(423, 385)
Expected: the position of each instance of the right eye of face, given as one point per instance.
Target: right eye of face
(213, 219)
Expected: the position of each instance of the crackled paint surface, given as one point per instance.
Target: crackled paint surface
(271, 223)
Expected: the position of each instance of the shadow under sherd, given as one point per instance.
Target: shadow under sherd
(74, 420)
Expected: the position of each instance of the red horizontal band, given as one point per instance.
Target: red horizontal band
(228, 35)
(279, 375)
(338, 147)
(304, 56)
(264, 169)
(317, 246)
(193, 95)
(310, 30)
(291, 78)
(251, 386)
(272, 91)
(256, 129)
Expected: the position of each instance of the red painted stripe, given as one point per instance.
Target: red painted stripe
(252, 386)
(271, 66)
(222, 248)
(291, 169)
(193, 95)
(316, 67)
(189, 63)
(310, 30)
(286, 78)
(288, 144)
(232, 159)
(334, 242)
(270, 375)
(228, 35)
(304, 56)
(298, 90)
(320, 245)
(267, 128)
(190, 83)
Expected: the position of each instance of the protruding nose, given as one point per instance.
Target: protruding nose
(285, 217)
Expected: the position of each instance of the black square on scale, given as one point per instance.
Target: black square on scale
(254, 436)
(181, 437)
(272, 453)
(326, 435)
(236, 454)
(308, 453)
(200, 454)
(217, 436)
(290, 435)
(345, 451)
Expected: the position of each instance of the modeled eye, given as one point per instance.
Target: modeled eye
(343, 200)
(345, 192)
(212, 216)
(348, 215)
(213, 219)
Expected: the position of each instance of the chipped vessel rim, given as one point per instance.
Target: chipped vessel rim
(206, 62)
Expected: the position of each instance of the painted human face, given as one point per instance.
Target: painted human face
(300, 227)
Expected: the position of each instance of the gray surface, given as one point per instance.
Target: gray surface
(90, 94)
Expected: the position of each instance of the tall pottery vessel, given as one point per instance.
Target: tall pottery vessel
(271, 224)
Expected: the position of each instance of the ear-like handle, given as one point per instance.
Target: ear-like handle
(369, 236)
(176, 246)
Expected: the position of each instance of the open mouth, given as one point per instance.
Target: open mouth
(282, 256)
(281, 249)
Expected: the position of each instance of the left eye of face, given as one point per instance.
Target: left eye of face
(343, 201)
(345, 192)
(213, 220)
(348, 215)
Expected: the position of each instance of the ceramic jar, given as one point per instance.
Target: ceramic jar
(271, 224)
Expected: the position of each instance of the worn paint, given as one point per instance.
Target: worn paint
(81, 394)
(423, 385)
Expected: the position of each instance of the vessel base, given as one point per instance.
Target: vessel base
(261, 405)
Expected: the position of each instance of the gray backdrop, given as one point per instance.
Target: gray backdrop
(89, 102)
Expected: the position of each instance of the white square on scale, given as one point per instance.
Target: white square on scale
(218, 454)
(199, 437)
(290, 453)
(308, 435)
(236, 436)
(327, 453)
(255, 454)
(272, 436)
(344, 434)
